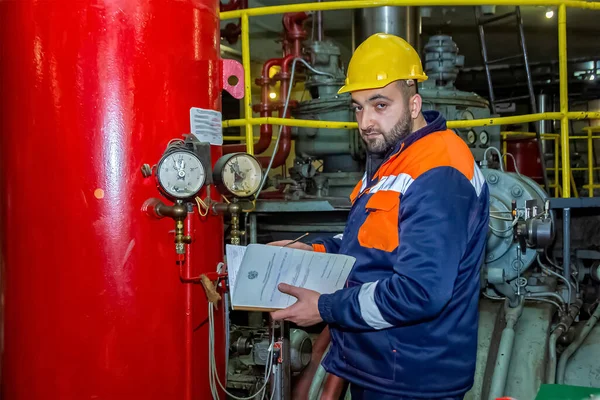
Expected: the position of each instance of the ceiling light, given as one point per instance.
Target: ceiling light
(272, 95)
(592, 77)
(549, 13)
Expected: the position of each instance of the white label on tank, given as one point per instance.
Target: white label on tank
(206, 125)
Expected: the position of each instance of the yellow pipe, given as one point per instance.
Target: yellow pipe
(582, 169)
(451, 124)
(584, 137)
(590, 163)
(564, 99)
(352, 4)
(242, 138)
(245, 30)
(578, 114)
(556, 166)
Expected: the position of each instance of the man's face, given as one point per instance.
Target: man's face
(383, 115)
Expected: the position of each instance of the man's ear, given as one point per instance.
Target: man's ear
(415, 105)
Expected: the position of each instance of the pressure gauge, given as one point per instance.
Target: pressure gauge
(464, 114)
(484, 138)
(180, 174)
(471, 137)
(238, 174)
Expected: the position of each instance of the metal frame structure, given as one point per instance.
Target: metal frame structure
(564, 115)
(507, 135)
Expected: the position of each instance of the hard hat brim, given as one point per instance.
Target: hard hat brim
(356, 87)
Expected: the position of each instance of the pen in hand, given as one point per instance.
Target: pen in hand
(295, 240)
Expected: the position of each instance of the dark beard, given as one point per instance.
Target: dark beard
(388, 140)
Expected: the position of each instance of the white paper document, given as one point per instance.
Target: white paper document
(255, 271)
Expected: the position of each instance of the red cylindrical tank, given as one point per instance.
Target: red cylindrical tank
(92, 302)
(527, 157)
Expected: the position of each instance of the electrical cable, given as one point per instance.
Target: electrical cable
(201, 205)
(212, 370)
(559, 276)
(499, 156)
(540, 299)
(285, 108)
(514, 163)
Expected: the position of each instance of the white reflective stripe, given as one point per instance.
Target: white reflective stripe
(396, 183)
(368, 308)
(478, 180)
(340, 236)
(364, 183)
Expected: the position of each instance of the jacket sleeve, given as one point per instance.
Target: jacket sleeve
(328, 245)
(435, 212)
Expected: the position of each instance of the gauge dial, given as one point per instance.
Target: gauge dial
(464, 114)
(181, 174)
(471, 137)
(240, 174)
(484, 138)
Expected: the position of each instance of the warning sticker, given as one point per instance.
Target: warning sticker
(206, 125)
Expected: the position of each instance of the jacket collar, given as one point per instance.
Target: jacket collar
(435, 123)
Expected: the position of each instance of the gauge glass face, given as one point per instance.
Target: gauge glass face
(242, 175)
(471, 137)
(181, 174)
(483, 137)
(465, 114)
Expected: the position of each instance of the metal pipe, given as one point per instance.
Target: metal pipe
(189, 325)
(576, 115)
(551, 368)
(505, 349)
(542, 103)
(564, 99)
(566, 241)
(484, 57)
(286, 370)
(532, 98)
(565, 322)
(253, 229)
(355, 4)
(547, 294)
(590, 144)
(564, 358)
(319, 25)
(245, 25)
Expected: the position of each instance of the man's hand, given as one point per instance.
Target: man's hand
(305, 312)
(297, 245)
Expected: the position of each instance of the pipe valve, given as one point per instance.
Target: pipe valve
(178, 212)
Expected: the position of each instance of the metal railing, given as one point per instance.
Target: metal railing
(556, 168)
(564, 115)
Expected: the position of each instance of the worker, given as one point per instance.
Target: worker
(405, 324)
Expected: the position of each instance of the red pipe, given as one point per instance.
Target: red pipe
(293, 24)
(294, 34)
(265, 109)
(189, 325)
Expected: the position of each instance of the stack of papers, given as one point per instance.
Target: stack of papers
(255, 271)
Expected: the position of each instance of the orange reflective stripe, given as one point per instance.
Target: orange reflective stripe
(438, 149)
(380, 229)
(319, 248)
(356, 191)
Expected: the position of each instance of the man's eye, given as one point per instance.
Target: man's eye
(381, 106)
(356, 108)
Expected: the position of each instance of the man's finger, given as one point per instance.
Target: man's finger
(282, 314)
(279, 243)
(291, 290)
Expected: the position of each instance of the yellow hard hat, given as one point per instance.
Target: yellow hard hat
(380, 60)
